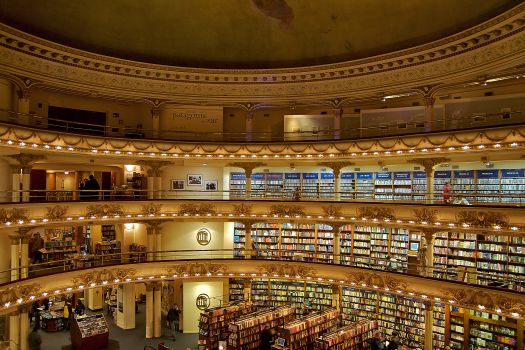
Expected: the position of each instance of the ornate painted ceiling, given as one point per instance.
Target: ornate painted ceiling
(246, 33)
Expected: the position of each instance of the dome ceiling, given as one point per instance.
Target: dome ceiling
(246, 33)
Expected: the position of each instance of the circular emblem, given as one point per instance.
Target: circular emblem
(203, 301)
(203, 236)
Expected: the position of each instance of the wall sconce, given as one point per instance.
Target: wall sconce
(129, 227)
(129, 167)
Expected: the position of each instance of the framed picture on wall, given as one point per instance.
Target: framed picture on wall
(211, 185)
(177, 185)
(194, 180)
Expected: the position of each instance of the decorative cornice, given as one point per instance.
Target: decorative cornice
(333, 210)
(154, 166)
(371, 279)
(151, 209)
(429, 163)
(197, 209)
(287, 270)
(26, 159)
(57, 212)
(425, 215)
(242, 209)
(375, 213)
(498, 39)
(482, 219)
(13, 215)
(111, 275)
(286, 210)
(101, 210)
(487, 299)
(196, 269)
(247, 166)
(19, 292)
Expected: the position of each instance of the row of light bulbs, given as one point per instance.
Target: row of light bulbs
(59, 148)
(242, 275)
(436, 224)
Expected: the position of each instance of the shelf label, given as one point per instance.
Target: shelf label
(292, 176)
(349, 176)
(402, 175)
(258, 176)
(513, 173)
(310, 176)
(237, 176)
(419, 175)
(487, 174)
(327, 176)
(384, 175)
(274, 176)
(365, 175)
(464, 174)
(443, 174)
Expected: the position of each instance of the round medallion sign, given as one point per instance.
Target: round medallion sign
(203, 301)
(203, 236)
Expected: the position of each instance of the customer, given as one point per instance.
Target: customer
(79, 310)
(37, 244)
(34, 339)
(92, 186)
(393, 342)
(297, 194)
(446, 193)
(266, 338)
(173, 320)
(376, 342)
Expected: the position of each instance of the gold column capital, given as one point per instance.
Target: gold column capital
(26, 160)
(336, 166)
(429, 163)
(154, 166)
(247, 166)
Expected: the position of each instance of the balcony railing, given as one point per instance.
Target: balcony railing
(472, 198)
(390, 128)
(83, 261)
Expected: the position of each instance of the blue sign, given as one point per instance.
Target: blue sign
(513, 173)
(274, 176)
(447, 174)
(310, 176)
(487, 174)
(365, 175)
(464, 174)
(327, 176)
(237, 176)
(258, 176)
(349, 176)
(419, 174)
(294, 176)
(384, 175)
(402, 175)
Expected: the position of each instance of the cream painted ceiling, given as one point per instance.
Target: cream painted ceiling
(246, 33)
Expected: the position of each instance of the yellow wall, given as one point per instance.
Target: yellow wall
(135, 234)
(190, 311)
(182, 172)
(183, 236)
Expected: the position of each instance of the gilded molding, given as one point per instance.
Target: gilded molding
(333, 210)
(429, 163)
(57, 212)
(197, 209)
(196, 269)
(425, 215)
(336, 166)
(108, 275)
(154, 166)
(380, 214)
(24, 292)
(491, 300)
(371, 279)
(13, 215)
(247, 166)
(100, 210)
(26, 159)
(287, 270)
(242, 209)
(151, 209)
(286, 210)
(482, 219)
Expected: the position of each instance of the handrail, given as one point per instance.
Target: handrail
(79, 262)
(478, 198)
(383, 129)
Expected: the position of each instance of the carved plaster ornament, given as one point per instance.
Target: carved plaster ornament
(10, 294)
(242, 209)
(332, 210)
(193, 268)
(425, 215)
(283, 210)
(376, 213)
(151, 209)
(104, 210)
(105, 275)
(197, 209)
(371, 279)
(294, 270)
(57, 212)
(479, 218)
(247, 166)
(13, 215)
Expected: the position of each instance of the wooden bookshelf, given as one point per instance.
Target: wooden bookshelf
(351, 337)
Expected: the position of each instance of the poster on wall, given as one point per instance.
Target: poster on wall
(187, 119)
(211, 185)
(177, 185)
(194, 180)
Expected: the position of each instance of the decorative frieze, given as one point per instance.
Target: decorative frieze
(13, 215)
(57, 212)
(196, 269)
(242, 209)
(101, 210)
(482, 219)
(380, 214)
(376, 280)
(104, 276)
(197, 209)
(425, 215)
(286, 210)
(333, 210)
(151, 209)
(287, 270)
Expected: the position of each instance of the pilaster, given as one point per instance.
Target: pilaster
(429, 164)
(248, 168)
(336, 168)
(154, 176)
(149, 310)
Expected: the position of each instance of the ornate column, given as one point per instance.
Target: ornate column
(248, 241)
(154, 234)
(158, 240)
(150, 229)
(25, 161)
(17, 183)
(248, 169)
(24, 252)
(149, 310)
(15, 258)
(429, 240)
(157, 302)
(429, 164)
(337, 115)
(336, 168)
(6, 99)
(24, 326)
(336, 229)
(14, 329)
(155, 121)
(249, 125)
(154, 176)
(429, 324)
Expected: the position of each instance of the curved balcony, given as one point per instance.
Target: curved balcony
(218, 264)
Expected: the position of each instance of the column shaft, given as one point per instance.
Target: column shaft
(337, 123)
(337, 187)
(14, 330)
(15, 260)
(248, 242)
(248, 186)
(151, 187)
(158, 187)
(24, 328)
(429, 322)
(151, 242)
(429, 238)
(157, 328)
(26, 184)
(337, 245)
(16, 187)
(149, 311)
(24, 258)
(158, 242)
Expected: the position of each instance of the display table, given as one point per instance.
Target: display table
(89, 333)
(52, 321)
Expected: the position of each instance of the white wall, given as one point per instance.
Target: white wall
(190, 311)
(183, 236)
(194, 191)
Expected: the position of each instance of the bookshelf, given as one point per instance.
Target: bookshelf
(347, 186)
(402, 185)
(399, 244)
(517, 259)
(512, 183)
(89, 332)
(237, 185)
(464, 184)
(108, 248)
(108, 233)
(137, 252)
(266, 239)
(274, 185)
(298, 239)
(379, 246)
(324, 243)
(438, 326)
(383, 186)
(213, 323)
(350, 337)
(456, 336)
(244, 333)
(487, 184)
(326, 185)
(319, 294)
(258, 182)
(440, 254)
(357, 304)
(239, 240)
(361, 245)
(491, 257)
(260, 291)
(346, 244)
(59, 243)
(419, 185)
(440, 178)
(301, 333)
(364, 186)
(291, 182)
(287, 292)
(310, 185)
(236, 289)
